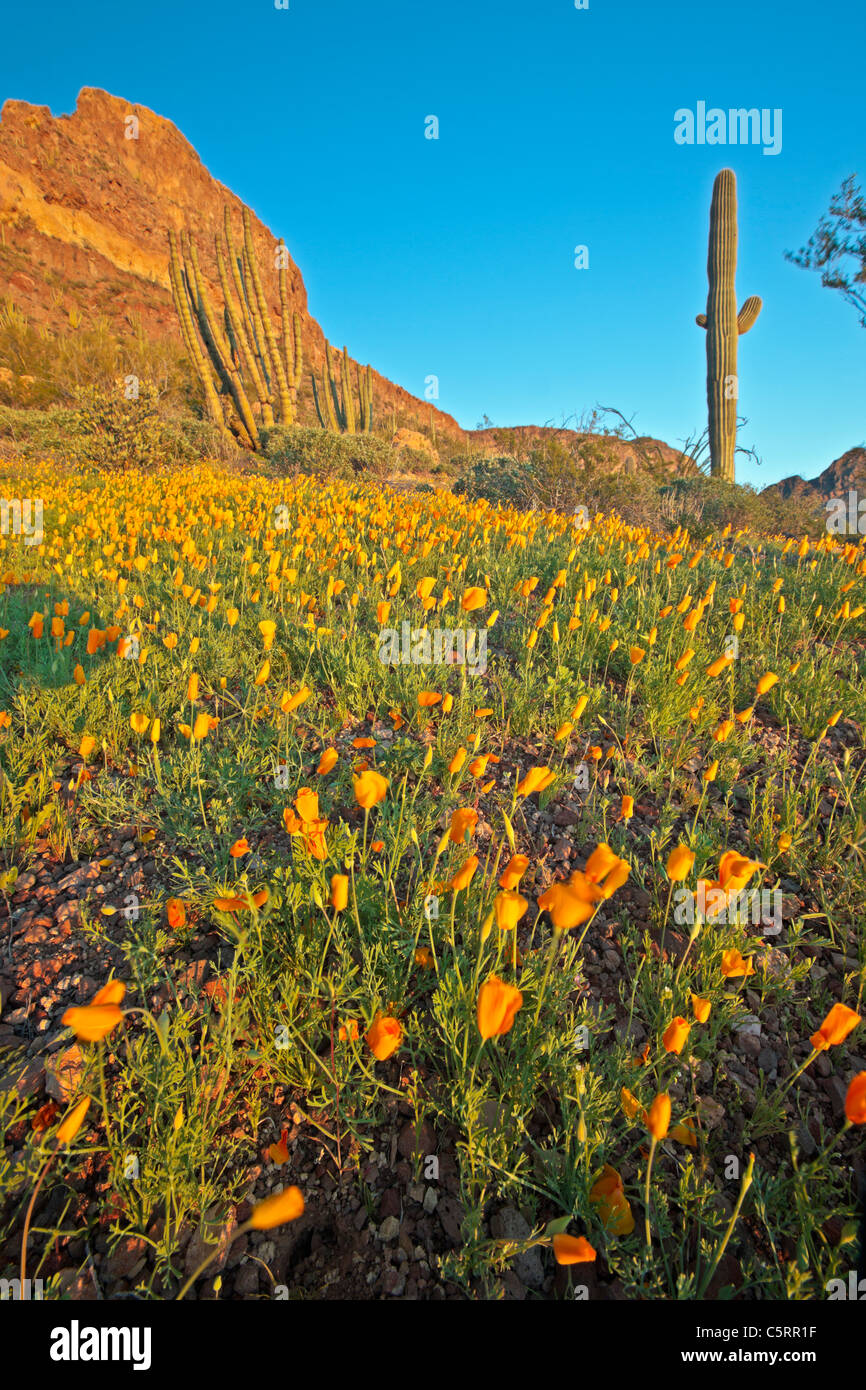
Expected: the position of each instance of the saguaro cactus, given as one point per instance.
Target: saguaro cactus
(335, 404)
(724, 325)
(250, 376)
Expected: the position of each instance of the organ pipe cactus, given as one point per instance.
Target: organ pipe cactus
(335, 403)
(724, 325)
(249, 374)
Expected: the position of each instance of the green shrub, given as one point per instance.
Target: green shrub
(501, 480)
(294, 449)
(706, 503)
(121, 431)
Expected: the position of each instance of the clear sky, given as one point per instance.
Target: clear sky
(455, 257)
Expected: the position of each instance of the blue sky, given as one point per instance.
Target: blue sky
(455, 257)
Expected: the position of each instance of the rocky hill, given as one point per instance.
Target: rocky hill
(84, 212)
(845, 474)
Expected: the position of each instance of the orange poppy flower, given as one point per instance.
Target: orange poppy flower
(607, 1195)
(462, 821)
(175, 912)
(472, 599)
(339, 891)
(328, 760)
(701, 1008)
(370, 788)
(283, 1206)
(734, 965)
(92, 1022)
(498, 1004)
(572, 1250)
(676, 1035)
(659, 1116)
(307, 803)
(69, 1127)
(536, 779)
(855, 1100)
(509, 907)
(679, 865)
(839, 1022)
(464, 874)
(384, 1037)
(513, 871)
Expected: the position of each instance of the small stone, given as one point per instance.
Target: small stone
(806, 1142)
(247, 1280)
(390, 1204)
(768, 1060)
(63, 1073)
(510, 1224)
(220, 1230)
(712, 1113)
(394, 1283)
(127, 1259)
(390, 1228)
(451, 1216)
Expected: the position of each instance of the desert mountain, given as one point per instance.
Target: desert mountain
(844, 474)
(84, 212)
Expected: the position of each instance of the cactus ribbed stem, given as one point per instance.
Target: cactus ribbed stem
(220, 349)
(348, 398)
(270, 337)
(187, 325)
(724, 326)
(238, 331)
(335, 403)
(299, 355)
(237, 351)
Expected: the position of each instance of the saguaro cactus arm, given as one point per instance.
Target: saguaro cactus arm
(749, 313)
(745, 318)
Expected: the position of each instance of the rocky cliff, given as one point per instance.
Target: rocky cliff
(85, 204)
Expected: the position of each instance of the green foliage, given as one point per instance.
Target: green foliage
(119, 432)
(298, 449)
(837, 247)
(41, 368)
(500, 479)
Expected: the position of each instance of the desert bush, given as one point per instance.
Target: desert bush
(296, 449)
(712, 503)
(500, 479)
(39, 367)
(120, 432)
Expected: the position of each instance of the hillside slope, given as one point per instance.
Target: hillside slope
(84, 213)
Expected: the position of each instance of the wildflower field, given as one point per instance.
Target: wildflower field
(406, 896)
